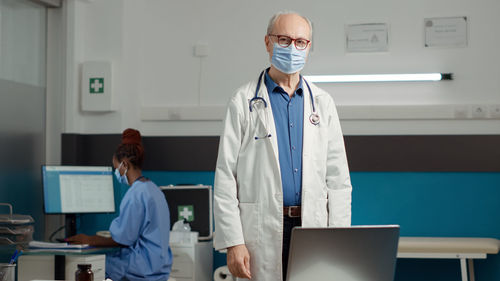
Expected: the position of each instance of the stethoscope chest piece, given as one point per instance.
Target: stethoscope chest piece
(314, 118)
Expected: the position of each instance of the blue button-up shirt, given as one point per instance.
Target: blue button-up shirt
(288, 116)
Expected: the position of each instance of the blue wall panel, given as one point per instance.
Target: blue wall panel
(432, 204)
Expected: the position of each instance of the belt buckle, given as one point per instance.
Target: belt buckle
(290, 212)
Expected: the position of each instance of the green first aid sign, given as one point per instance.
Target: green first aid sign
(186, 212)
(96, 85)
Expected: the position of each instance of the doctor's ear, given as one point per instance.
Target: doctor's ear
(267, 41)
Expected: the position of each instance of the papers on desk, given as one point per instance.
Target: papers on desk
(56, 246)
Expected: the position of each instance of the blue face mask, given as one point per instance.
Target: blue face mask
(122, 179)
(288, 60)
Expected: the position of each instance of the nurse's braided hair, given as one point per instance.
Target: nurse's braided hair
(131, 148)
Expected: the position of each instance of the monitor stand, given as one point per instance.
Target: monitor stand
(70, 222)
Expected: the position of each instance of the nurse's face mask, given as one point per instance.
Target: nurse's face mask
(122, 179)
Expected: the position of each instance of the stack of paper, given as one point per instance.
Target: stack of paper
(52, 245)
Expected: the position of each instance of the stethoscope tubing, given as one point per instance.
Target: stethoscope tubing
(313, 118)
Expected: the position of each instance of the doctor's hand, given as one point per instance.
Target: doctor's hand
(238, 261)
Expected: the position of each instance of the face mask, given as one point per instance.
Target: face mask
(122, 179)
(288, 60)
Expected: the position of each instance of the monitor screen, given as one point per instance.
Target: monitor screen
(78, 189)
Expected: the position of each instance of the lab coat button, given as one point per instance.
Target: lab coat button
(295, 170)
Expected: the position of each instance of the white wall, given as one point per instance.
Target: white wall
(150, 44)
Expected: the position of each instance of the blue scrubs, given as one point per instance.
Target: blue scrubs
(143, 226)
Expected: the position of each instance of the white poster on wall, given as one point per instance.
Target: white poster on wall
(446, 32)
(367, 37)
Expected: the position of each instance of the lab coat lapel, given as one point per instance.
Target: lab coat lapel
(308, 140)
(271, 126)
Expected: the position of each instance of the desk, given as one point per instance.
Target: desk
(464, 249)
(60, 264)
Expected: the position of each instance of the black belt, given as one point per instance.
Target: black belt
(291, 211)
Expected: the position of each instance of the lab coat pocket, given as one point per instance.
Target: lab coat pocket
(250, 221)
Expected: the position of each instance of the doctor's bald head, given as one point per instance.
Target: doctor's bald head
(287, 18)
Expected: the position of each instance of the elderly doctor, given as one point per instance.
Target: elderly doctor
(281, 161)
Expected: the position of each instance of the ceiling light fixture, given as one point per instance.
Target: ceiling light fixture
(379, 78)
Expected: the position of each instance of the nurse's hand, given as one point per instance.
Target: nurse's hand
(238, 261)
(94, 240)
(79, 239)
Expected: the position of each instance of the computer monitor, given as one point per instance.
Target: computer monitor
(78, 189)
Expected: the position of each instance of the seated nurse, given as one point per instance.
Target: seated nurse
(142, 228)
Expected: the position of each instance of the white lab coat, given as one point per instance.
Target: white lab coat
(248, 197)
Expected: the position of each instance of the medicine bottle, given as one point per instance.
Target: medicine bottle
(84, 273)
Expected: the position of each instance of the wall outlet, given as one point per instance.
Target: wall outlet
(495, 111)
(479, 111)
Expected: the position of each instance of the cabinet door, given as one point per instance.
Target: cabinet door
(35, 267)
(183, 262)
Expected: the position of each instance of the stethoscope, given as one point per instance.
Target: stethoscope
(313, 118)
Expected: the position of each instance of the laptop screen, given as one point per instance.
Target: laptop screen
(358, 253)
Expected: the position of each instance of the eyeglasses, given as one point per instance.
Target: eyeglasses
(285, 41)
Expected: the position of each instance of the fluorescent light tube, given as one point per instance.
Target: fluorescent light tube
(379, 77)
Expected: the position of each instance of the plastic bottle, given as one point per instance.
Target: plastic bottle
(184, 230)
(186, 226)
(187, 232)
(84, 273)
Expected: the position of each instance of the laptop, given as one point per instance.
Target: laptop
(357, 253)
